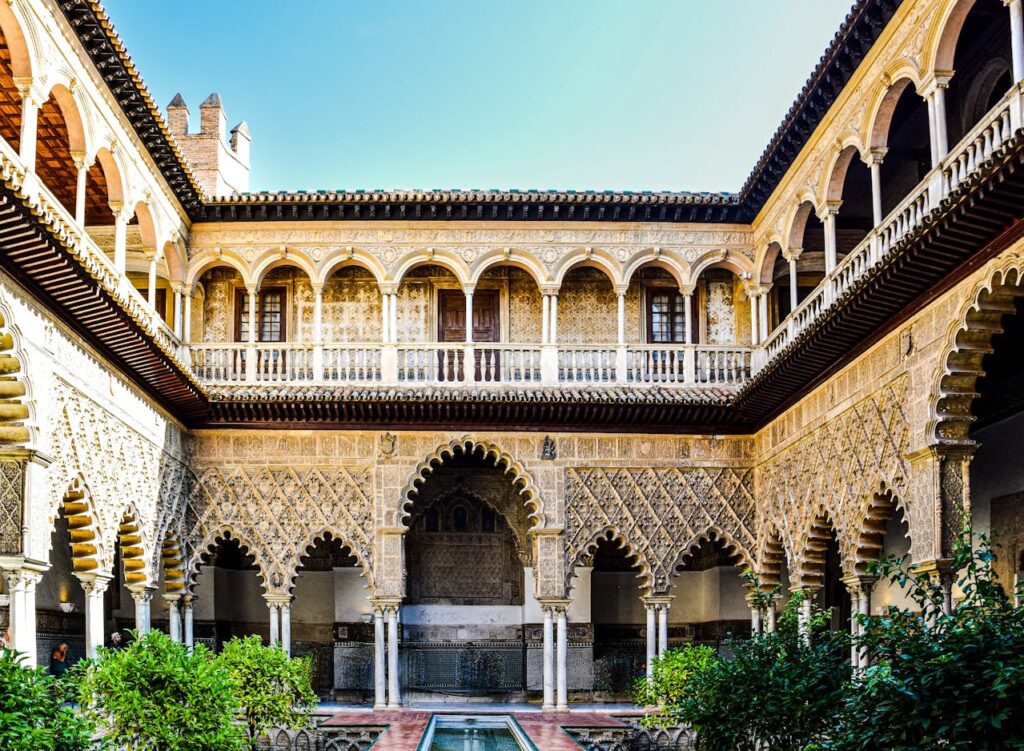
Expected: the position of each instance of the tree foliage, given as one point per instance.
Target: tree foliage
(33, 713)
(157, 695)
(272, 689)
(937, 680)
(670, 676)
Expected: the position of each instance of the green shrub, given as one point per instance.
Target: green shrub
(271, 688)
(670, 676)
(33, 714)
(941, 681)
(156, 695)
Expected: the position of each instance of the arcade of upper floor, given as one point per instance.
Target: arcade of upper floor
(671, 289)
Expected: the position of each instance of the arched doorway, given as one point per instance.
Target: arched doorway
(467, 563)
(228, 596)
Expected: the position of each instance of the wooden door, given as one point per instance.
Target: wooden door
(451, 327)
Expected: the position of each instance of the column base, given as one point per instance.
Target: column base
(562, 708)
(547, 707)
(393, 706)
(379, 707)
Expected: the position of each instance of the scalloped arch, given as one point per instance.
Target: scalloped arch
(809, 569)
(968, 340)
(713, 533)
(866, 544)
(311, 539)
(646, 574)
(468, 446)
(208, 544)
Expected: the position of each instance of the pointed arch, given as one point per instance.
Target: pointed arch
(608, 532)
(77, 506)
(207, 545)
(713, 533)
(15, 390)
(311, 540)
(172, 559)
(873, 519)
(808, 567)
(134, 553)
(771, 557)
(520, 477)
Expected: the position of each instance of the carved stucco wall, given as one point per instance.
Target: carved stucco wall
(660, 514)
(276, 493)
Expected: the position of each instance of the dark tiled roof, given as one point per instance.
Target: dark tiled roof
(848, 48)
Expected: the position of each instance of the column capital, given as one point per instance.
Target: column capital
(80, 159)
(875, 156)
(384, 604)
(252, 288)
(30, 91)
(276, 599)
(687, 289)
(555, 607)
(1007, 3)
(656, 602)
(549, 290)
(468, 289)
(829, 209)
(93, 583)
(172, 598)
(318, 287)
(792, 254)
(938, 80)
(187, 290)
(859, 582)
(621, 289)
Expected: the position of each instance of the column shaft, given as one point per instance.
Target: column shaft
(83, 171)
(187, 328)
(318, 316)
(94, 589)
(829, 223)
(275, 624)
(621, 317)
(173, 620)
(1017, 39)
(793, 291)
(394, 693)
(29, 123)
(764, 315)
(393, 324)
(662, 629)
(286, 628)
(549, 661)
(379, 669)
(120, 240)
(469, 319)
(562, 674)
(652, 640)
(754, 328)
(554, 320)
(545, 317)
(876, 191)
(688, 318)
(253, 302)
(177, 311)
(187, 609)
(941, 138)
(151, 288)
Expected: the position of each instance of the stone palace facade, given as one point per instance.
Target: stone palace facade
(480, 444)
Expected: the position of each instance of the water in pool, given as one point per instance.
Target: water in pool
(479, 733)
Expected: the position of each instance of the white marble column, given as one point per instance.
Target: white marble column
(662, 628)
(941, 135)
(186, 333)
(285, 608)
(394, 692)
(621, 315)
(275, 622)
(687, 293)
(828, 221)
(21, 588)
(151, 285)
(1016, 38)
(932, 130)
(379, 667)
(30, 105)
(122, 214)
(549, 660)
(804, 617)
(553, 324)
(94, 586)
(187, 610)
(173, 618)
(874, 161)
(770, 617)
(764, 313)
(469, 316)
(864, 608)
(80, 186)
(385, 318)
(545, 317)
(754, 327)
(562, 659)
(792, 257)
(143, 601)
(177, 287)
(652, 638)
(393, 317)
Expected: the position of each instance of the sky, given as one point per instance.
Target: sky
(566, 94)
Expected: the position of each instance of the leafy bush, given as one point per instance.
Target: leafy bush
(156, 695)
(670, 676)
(33, 714)
(271, 689)
(941, 681)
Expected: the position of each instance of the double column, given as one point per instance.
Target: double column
(386, 683)
(280, 606)
(21, 591)
(179, 618)
(389, 334)
(556, 655)
(549, 336)
(657, 628)
(859, 586)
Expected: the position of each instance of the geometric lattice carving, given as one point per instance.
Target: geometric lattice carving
(835, 472)
(277, 512)
(12, 492)
(658, 514)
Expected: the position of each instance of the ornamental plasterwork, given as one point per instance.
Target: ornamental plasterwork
(548, 246)
(277, 512)
(852, 113)
(836, 470)
(90, 443)
(659, 514)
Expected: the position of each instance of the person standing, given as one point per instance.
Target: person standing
(59, 660)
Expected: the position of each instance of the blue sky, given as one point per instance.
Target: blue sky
(582, 94)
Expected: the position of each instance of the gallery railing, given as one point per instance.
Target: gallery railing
(462, 667)
(958, 165)
(492, 363)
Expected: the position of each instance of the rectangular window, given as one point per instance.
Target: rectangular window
(271, 321)
(666, 316)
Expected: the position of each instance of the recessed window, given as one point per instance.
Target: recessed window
(271, 321)
(666, 316)
(460, 519)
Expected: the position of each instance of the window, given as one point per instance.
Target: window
(271, 322)
(460, 519)
(666, 316)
